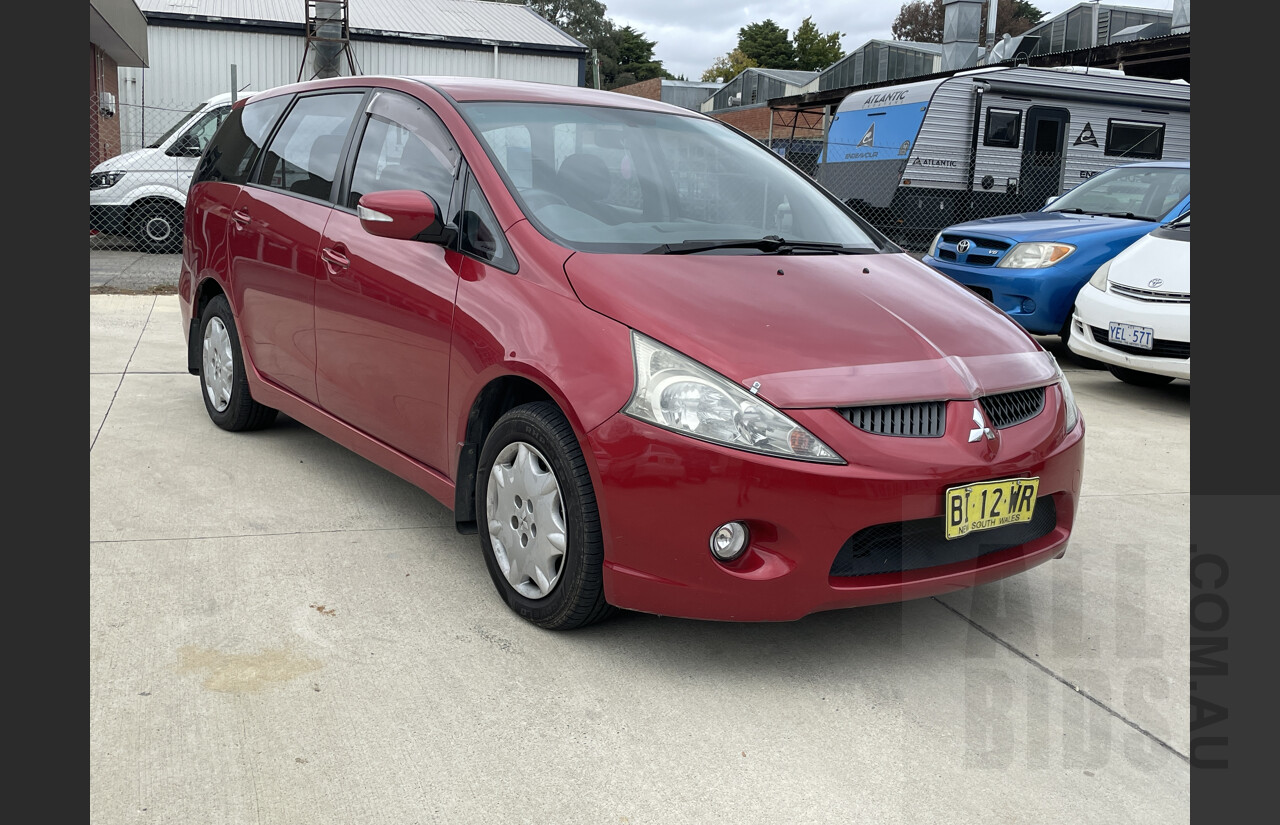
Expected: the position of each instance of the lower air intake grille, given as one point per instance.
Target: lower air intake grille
(915, 545)
(923, 420)
(1009, 408)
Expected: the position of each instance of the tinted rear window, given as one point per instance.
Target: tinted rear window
(240, 139)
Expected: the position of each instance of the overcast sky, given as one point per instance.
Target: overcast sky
(691, 34)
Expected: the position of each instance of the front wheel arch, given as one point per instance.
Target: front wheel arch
(490, 404)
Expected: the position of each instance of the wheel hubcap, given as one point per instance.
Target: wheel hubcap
(217, 364)
(526, 520)
(159, 229)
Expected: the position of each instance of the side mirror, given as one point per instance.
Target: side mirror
(1050, 199)
(403, 214)
(186, 146)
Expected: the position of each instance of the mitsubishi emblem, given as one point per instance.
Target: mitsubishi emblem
(981, 429)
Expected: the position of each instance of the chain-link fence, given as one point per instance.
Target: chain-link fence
(141, 158)
(912, 199)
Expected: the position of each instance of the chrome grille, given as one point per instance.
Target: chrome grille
(1009, 408)
(921, 420)
(1152, 296)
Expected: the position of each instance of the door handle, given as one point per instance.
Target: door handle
(240, 218)
(334, 259)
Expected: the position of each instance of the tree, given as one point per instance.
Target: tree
(816, 51)
(768, 44)
(1013, 17)
(728, 66)
(583, 20)
(635, 59)
(921, 21)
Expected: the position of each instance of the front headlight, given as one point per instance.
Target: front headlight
(1099, 279)
(933, 247)
(679, 394)
(104, 180)
(1068, 397)
(1035, 255)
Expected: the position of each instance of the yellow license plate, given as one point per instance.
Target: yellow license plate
(988, 504)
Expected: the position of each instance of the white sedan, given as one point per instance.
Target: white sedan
(1134, 315)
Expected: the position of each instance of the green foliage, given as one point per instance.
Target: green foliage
(921, 21)
(635, 59)
(816, 51)
(728, 66)
(768, 44)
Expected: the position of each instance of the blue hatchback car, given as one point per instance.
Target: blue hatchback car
(1033, 264)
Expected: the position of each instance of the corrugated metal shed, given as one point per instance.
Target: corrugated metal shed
(194, 45)
(877, 61)
(755, 87)
(1094, 24)
(688, 94)
(475, 20)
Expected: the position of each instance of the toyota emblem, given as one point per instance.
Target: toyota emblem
(963, 246)
(1155, 282)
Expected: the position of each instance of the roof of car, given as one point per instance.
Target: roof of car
(471, 89)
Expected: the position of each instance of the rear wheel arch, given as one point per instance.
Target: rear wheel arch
(204, 293)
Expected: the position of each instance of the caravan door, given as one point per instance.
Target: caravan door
(1043, 146)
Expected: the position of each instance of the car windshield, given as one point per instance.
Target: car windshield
(1145, 192)
(617, 180)
(182, 121)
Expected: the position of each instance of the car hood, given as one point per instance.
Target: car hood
(1151, 258)
(1050, 226)
(818, 330)
(137, 159)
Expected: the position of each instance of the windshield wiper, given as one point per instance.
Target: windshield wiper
(769, 243)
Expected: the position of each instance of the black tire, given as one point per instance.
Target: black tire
(223, 384)
(157, 228)
(539, 515)
(1065, 332)
(1139, 379)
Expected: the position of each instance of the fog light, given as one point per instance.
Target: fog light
(1028, 306)
(729, 540)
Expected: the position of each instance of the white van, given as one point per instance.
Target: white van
(142, 194)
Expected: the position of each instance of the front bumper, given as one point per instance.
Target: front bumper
(1038, 299)
(662, 494)
(1170, 323)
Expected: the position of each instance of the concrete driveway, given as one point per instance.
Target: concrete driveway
(282, 632)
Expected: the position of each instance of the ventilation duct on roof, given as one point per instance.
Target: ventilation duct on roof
(961, 26)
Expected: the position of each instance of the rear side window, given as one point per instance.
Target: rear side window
(239, 141)
(1131, 139)
(303, 155)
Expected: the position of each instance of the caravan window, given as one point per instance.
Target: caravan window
(1132, 139)
(1003, 128)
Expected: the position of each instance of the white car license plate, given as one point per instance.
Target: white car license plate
(1130, 335)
